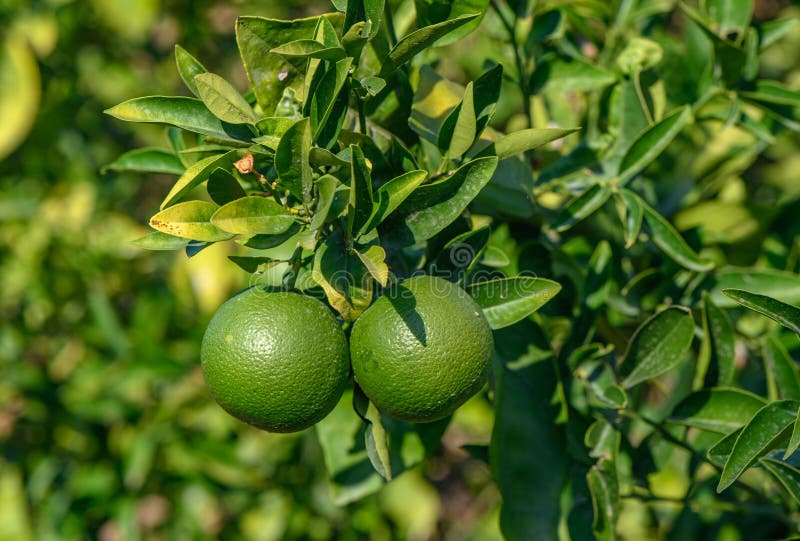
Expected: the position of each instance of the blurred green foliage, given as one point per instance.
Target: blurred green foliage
(106, 428)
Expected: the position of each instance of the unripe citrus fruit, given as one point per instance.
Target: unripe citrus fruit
(278, 361)
(422, 349)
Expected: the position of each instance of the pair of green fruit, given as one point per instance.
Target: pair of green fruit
(280, 361)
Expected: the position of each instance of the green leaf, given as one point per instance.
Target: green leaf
(570, 76)
(190, 220)
(767, 430)
(326, 190)
(325, 95)
(670, 241)
(506, 301)
(147, 160)
(639, 54)
(460, 254)
(525, 420)
(21, 86)
(582, 206)
(253, 215)
(720, 451)
(374, 435)
(632, 217)
(770, 282)
(771, 32)
(599, 379)
(160, 241)
(432, 12)
(223, 187)
(715, 363)
(373, 85)
(188, 68)
(186, 113)
(369, 12)
(413, 43)
(432, 207)
(291, 160)
(794, 440)
(389, 196)
(523, 140)
(198, 173)
(659, 344)
(459, 128)
(343, 440)
(732, 17)
(721, 409)
(374, 259)
(783, 377)
(788, 476)
(359, 208)
(773, 92)
(345, 280)
(271, 73)
(309, 48)
(785, 314)
(253, 264)
(223, 100)
(604, 488)
(652, 142)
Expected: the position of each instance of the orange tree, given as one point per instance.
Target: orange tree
(600, 155)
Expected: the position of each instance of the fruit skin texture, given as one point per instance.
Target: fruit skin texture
(278, 361)
(422, 349)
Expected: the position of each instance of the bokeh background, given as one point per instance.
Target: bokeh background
(106, 429)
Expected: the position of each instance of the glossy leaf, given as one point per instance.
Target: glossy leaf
(732, 17)
(374, 259)
(223, 100)
(721, 409)
(253, 215)
(432, 207)
(190, 220)
(292, 160)
(582, 206)
(783, 376)
(788, 476)
(359, 208)
(652, 142)
(659, 344)
(188, 68)
(767, 430)
(270, 73)
(670, 241)
(434, 12)
(460, 254)
(604, 487)
(343, 277)
(199, 173)
(325, 95)
(459, 128)
(524, 140)
(526, 420)
(794, 440)
(186, 113)
(308, 48)
(570, 76)
(768, 282)
(785, 314)
(633, 216)
(147, 160)
(223, 187)
(715, 362)
(413, 43)
(773, 92)
(253, 264)
(506, 301)
(326, 190)
(720, 451)
(388, 197)
(160, 241)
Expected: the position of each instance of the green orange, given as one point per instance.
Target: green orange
(278, 361)
(422, 349)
